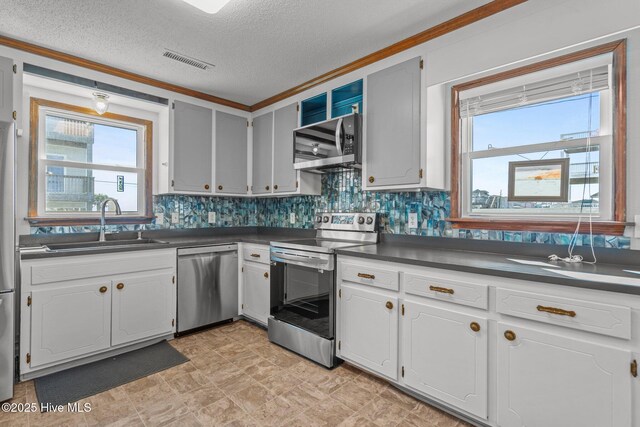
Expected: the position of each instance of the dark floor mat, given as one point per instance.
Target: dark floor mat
(83, 381)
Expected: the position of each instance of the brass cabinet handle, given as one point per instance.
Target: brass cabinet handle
(255, 255)
(206, 186)
(266, 188)
(219, 187)
(441, 290)
(266, 275)
(275, 187)
(103, 289)
(475, 326)
(366, 276)
(371, 179)
(558, 311)
(510, 335)
(120, 286)
(389, 305)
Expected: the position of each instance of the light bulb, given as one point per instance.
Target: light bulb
(315, 149)
(100, 102)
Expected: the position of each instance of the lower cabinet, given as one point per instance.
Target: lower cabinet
(552, 380)
(141, 307)
(69, 321)
(255, 291)
(369, 329)
(445, 355)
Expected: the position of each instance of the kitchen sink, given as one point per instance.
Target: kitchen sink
(87, 246)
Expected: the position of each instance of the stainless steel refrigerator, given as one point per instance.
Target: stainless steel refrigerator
(7, 260)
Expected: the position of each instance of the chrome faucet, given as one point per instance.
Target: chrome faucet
(102, 224)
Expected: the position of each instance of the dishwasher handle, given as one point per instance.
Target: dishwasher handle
(207, 250)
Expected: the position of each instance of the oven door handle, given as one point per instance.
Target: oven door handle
(293, 257)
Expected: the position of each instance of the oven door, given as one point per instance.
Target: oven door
(303, 293)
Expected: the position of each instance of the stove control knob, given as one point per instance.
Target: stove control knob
(360, 220)
(318, 219)
(369, 220)
(325, 218)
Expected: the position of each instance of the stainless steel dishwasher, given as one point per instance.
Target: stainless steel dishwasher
(207, 285)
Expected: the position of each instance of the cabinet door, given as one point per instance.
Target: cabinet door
(369, 329)
(255, 291)
(551, 380)
(284, 175)
(192, 148)
(393, 125)
(6, 90)
(142, 306)
(262, 153)
(444, 357)
(69, 322)
(231, 153)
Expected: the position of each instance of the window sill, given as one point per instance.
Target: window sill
(73, 221)
(600, 227)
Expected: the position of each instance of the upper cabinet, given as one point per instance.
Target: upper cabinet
(192, 148)
(231, 154)
(347, 99)
(284, 175)
(313, 110)
(262, 153)
(392, 152)
(6, 90)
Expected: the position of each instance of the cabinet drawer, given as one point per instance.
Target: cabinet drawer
(385, 278)
(446, 289)
(256, 254)
(605, 319)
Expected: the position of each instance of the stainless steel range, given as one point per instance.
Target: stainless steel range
(303, 284)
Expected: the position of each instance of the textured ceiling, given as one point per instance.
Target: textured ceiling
(259, 47)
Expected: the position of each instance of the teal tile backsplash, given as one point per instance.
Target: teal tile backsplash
(341, 192)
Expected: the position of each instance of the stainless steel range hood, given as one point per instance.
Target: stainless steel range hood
(329, 145)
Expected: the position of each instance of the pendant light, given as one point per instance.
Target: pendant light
(208, 6)
(100, 102)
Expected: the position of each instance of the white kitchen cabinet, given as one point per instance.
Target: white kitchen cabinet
(255, 291)
(368, 328)
(231, 154)
(142, 306)
(285, 177)
(6, 90)
(392, 154)
(192, 148)
(546, 379)
(69, 321)
(445, 355)
(262, 154)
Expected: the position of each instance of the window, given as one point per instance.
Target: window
(79, 158)
(537, 147)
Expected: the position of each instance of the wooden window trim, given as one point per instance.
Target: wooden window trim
(69, 220)
(616, 227)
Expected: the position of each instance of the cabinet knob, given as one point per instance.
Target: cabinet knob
(389, 305)
(475, 327)
(103, 289)
(510, 335)
(266, 188)
(266, 275)
(275, 187)
(371, 179)
(120, 286)
(219, 187)
(206, 186)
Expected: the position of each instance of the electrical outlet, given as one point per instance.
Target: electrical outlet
(212, 217)
(175, 218)
(413, 220)
(160, 218)
(292, 218)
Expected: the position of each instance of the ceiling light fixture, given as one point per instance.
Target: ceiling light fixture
(100, 102)
(209, 6)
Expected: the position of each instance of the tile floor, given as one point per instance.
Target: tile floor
(236, 377)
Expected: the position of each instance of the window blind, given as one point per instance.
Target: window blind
(575, 83)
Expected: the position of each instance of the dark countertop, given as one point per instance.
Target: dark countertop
(169, 238)
(602, 276)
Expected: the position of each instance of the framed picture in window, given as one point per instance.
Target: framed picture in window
(539, 181)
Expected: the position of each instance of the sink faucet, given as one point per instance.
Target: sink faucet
(103, 208)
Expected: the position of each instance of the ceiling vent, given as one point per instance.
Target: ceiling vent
(187, 60)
